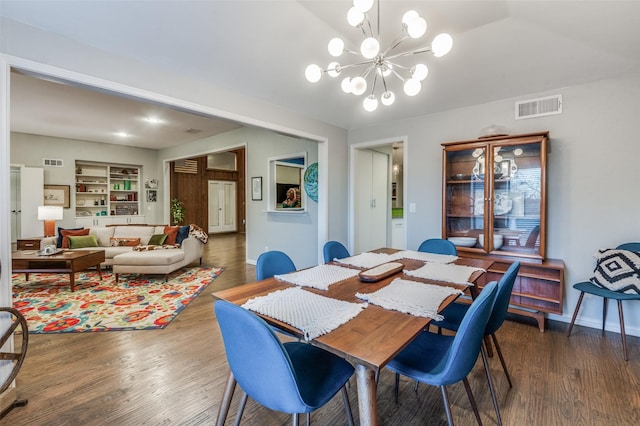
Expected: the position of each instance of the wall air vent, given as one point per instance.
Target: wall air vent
(539, 107)
(186, 166)
(50, 162)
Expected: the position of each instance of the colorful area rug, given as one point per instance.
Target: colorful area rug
(137, 302)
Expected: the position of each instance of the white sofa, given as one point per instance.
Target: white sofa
(192, 247)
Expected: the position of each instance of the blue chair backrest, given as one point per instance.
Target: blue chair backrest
(438, 246)
(272, 263)
(258, 361)
(629, 246)
(465, 348)
(505, 287)
(334, 250)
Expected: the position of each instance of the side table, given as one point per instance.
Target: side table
(32, 243)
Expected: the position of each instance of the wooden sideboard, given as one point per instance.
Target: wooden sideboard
(538, 288)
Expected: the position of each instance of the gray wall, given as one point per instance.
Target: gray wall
(31, 149)
(593, 195)
(295, 234)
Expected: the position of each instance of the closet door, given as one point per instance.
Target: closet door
(371, 200)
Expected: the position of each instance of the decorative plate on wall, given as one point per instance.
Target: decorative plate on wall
(311, 181)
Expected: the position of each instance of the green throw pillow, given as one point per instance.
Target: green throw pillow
(82, 241)
(157, 239)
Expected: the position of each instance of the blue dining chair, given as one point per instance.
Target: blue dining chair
(591, 288)
(455, 313)
(272, 263)
(334, 250)
(441, 360)
(438, 246)
(293, 377)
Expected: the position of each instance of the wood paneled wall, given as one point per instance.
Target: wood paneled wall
(192, 190)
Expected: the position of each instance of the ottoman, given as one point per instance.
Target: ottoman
(148, 262)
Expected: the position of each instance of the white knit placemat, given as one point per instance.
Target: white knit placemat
(411, 297)
(425, 257)
(458, 274)
(320, 277)
(310, 313)
(366, 260)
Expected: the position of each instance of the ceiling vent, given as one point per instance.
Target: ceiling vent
(50, 162)
(539, 107)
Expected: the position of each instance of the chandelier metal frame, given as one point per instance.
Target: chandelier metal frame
(380, 65)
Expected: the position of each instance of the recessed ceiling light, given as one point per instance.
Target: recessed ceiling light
(153, 120)
(122, 134)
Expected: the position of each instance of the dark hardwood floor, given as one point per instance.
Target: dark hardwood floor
(176, 376)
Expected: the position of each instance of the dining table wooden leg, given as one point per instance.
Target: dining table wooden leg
(226, 400)
(367, 400)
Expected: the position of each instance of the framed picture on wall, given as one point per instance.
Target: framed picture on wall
(152, 195)
(57, 195)
(256, 188)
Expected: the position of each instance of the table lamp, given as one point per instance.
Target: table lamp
(49, 214)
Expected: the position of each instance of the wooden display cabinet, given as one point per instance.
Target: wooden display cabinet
(494, 207)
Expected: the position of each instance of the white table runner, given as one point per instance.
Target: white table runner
(311, 313)
(411, 297)
(458, 274)
(366, 260)
(425, 257)
(320, 277)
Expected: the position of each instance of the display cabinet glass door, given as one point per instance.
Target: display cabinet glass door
(494, 196)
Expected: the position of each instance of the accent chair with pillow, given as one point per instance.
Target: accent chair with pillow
(616, 276)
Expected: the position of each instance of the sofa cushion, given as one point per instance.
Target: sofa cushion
(148, 258)
(157, 239)
(172, 234)
(66, 233)
(60, 236)
(82, 241)
(124, 241)
(183, 233)
(103, 234)
(132, 231)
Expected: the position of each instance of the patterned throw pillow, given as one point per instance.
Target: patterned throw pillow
(617, 270)
(124, 242)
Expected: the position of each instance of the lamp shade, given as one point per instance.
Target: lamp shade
(49, 213)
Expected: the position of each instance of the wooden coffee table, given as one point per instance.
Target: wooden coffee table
(67, 262)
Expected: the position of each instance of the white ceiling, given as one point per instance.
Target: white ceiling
(502, 49)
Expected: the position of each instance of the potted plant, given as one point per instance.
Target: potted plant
(177, 211)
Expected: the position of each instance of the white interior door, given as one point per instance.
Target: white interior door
(29, 187)
(222, 206)
(371, 206)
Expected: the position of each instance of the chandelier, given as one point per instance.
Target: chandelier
(377, 66)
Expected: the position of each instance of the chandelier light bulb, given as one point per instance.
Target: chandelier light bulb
(408, 16)
(354, 17)
(333, 69)
(419, 72)
(388, 98)
(346, 85)
(412, 87)
(358, 85)
(385, 69)
(336, 46)
(313, 73)
(370, 47)
(417, 27)
(363, 5)
(370, 103)
(441, 44)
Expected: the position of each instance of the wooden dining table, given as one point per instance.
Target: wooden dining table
(369, 341)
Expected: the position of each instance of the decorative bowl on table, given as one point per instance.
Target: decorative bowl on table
(463, 241)
(497, 240)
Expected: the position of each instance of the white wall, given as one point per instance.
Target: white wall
(296, 235)
(593, 185)
(31, 149)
